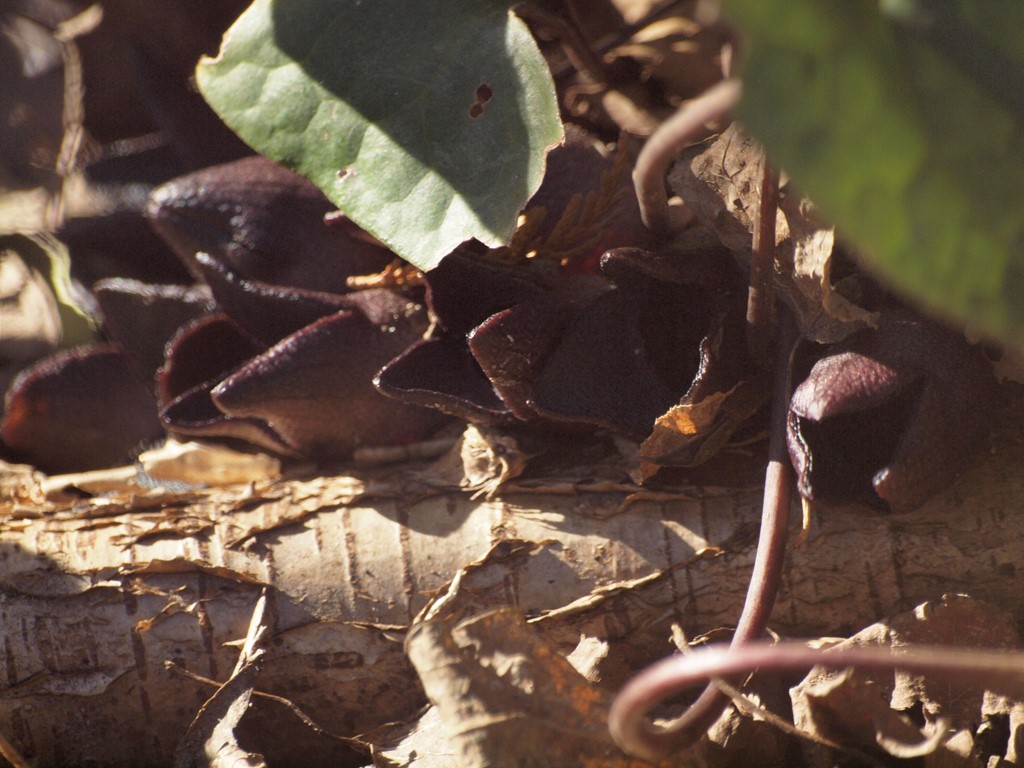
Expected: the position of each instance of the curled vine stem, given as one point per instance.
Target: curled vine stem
(634, 732)
(625, 720)
(671, 137)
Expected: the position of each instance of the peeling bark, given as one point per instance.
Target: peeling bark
(105, 603)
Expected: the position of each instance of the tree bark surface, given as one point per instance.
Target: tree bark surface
(106, 603)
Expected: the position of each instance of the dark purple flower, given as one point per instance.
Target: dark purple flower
(891, 415)
(78, 410)
(470, 294)
(264, 223)
(299, 368)
(536, 345)
(286, 362)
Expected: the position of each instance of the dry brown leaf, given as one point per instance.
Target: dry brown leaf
(849, 708)
(826, 315)
(1015, 742)
(507, 698)
(691, 433)
(624, 107)
(206, 464)
(587, 656)
(20, 483)
(955, 620)
(719, 182)
(481, 461)
(869, 711)
(678, 52)
(741, 736)
(586, 218)
(420, 743)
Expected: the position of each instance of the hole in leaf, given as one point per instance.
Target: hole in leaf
(484, 93)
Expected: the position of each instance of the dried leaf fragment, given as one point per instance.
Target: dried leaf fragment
(205, 464)
(692, 432)
(482, 459)
(718, 180)
(507, 698)
(870, 710)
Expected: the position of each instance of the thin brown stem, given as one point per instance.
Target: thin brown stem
(579, 53)
(627, 720)
(665, 143)
(290, 705)
(760, 295)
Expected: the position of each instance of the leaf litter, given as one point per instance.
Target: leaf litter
(496, 652)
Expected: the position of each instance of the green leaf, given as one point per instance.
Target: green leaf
(47, 256)
(906, 131)
(374, 101)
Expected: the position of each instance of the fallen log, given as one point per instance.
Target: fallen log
(118, 611)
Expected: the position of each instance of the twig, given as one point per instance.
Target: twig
(760, 296)
(73, 111)
(626, 720)
(291, 706)
(1000, 669)
(671, 137)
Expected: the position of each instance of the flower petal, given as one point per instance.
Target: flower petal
(78, 410)
(265, 222)
(314, 387)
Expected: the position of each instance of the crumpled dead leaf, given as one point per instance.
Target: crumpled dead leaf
(751, 731)
(742, 735)
(482, 459)
(823, 309)
(507, 698)
(207, 464)
(173, 467)
(421, 743)
(20, 483)
(692, 432)
(875, 712)
(718, 180)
